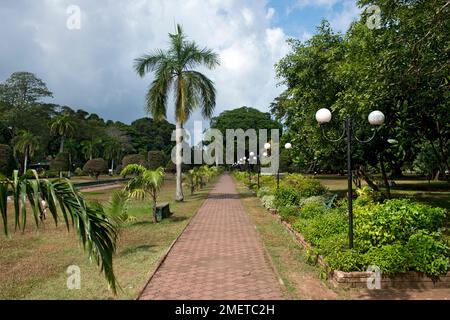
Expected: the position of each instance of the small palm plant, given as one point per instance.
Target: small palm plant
(145, 183)
(25, 143)
(95, 229)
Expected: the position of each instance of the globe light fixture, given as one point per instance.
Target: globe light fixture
(376, 118)
(267, 146)
(288, 145)
(323, 116)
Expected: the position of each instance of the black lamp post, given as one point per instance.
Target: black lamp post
(376, 118)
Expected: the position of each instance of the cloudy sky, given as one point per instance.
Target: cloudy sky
(91, 67)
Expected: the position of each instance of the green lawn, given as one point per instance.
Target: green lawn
(34, 264)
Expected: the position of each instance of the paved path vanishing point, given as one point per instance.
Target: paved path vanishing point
(218, 256)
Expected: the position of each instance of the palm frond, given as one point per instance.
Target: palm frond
(95, 230)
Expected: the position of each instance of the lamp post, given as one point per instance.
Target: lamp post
(376, 118)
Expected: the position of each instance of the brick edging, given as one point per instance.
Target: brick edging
(164, 256)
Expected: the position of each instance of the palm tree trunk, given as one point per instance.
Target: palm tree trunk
(155, 219)
(25, 162)
(61, 145)
(178, 137)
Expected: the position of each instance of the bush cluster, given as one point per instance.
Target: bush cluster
(397, 235)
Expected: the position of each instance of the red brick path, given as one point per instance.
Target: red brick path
(218, 256)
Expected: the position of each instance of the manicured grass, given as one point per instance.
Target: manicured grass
(34, 264)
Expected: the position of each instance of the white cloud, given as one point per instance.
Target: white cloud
(91, 68)
(341, 20)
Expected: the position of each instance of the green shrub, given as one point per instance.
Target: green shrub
(395, 220)
(288, 213)
(305, 186)
(312, 210)
(294, 188)
(322, 226)
(263, 191)
(287, 196)
(366, 196)
(314, 199)
(390, 258)
(428, 253)
(346, 260)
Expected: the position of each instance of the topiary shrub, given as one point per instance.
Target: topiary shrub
(60, 162)
(156, 159)
(95, 167)
(134, 159)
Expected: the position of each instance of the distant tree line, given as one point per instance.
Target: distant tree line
(33, 130)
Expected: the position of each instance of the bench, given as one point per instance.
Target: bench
(162, 211)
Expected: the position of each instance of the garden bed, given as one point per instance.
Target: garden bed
(358, 279)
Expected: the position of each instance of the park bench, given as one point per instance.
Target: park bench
(162, 211)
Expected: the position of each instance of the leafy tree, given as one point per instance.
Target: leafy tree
(64, 126)
(90, 148)
(95, 167)
(95, 231)
(26, 144)
(23, 89)
(174, 68)
(244, 118)
(113, 149)
(145, 183)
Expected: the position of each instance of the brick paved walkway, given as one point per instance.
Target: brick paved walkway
(218, 256)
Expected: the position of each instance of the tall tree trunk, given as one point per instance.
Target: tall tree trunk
(61, 144)
(70, 165)
(25, 162)
(112, 166)
(155, 219)
(178, 148)
(385, 178)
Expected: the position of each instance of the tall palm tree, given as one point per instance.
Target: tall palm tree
(96, 230)
(90, 148)
(113, 148)
(64, 126)
(25, 143)
(145, 183)
(174, 70)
